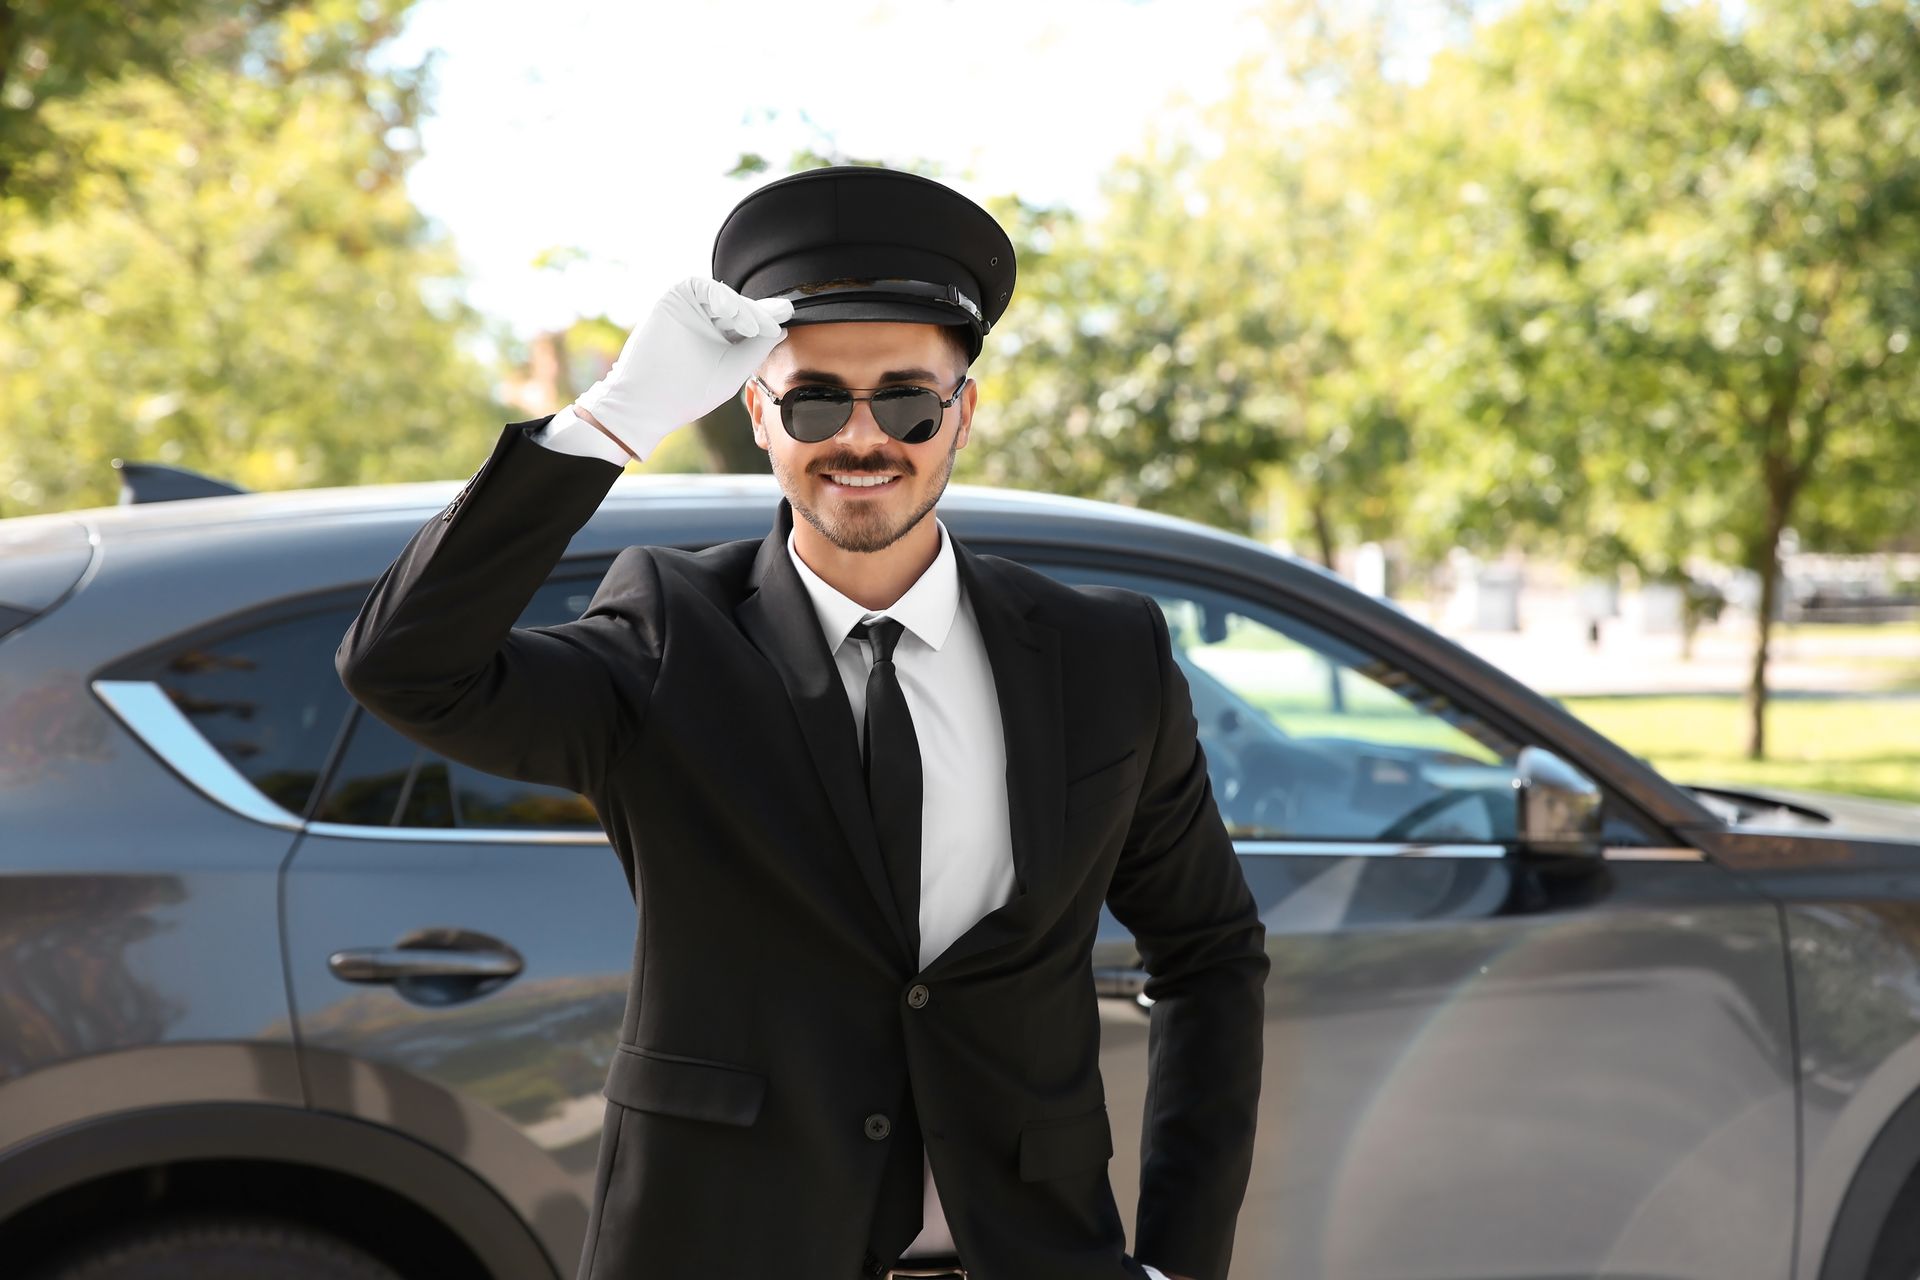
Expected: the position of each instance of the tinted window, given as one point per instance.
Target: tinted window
(385, 780)
(266, 697)
(1309, 738)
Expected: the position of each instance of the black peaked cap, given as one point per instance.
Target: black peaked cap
(932, 255)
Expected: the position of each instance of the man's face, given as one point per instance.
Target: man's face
(819, 479)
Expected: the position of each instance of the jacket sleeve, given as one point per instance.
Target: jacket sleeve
(434, 651)
(1178, 886)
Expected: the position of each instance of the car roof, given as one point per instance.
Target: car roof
(706, 504)
(419, 499)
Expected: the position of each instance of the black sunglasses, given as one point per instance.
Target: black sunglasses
(911, 415)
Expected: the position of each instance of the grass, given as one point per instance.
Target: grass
(1860, 745)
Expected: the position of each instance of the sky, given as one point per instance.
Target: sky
(609, 128)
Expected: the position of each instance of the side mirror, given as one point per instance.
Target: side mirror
(1559, 807)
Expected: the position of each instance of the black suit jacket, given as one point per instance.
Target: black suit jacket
(695, 704)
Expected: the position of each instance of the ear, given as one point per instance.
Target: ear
(755, 400)
(968, 398)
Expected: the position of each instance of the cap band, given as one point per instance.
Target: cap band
(880, 290)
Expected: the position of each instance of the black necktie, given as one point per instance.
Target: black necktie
(890, 753)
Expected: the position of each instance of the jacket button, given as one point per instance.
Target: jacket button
(918, 995)
(878, 1126)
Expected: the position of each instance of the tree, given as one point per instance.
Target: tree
(1303, 115)
(53, 51)
(1654, 264)
(236, 280)
(1201, 340)
(1121, 371)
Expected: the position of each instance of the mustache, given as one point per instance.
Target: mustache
(849, 461)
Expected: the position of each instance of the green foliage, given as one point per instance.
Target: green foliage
(1124, 369)
(52, 51)
(1656, 272)
(1205, 339)
(234, 279)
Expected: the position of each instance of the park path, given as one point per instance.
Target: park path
(1551, 653)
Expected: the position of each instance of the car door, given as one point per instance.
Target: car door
(457, 948)
(1478, 1062)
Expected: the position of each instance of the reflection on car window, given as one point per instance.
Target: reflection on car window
(1307, 737)
(267, 698)
(384, 779)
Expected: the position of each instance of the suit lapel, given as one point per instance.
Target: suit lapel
(1025, 656)
(779, 618)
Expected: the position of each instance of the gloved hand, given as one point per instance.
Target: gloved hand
(695, 348)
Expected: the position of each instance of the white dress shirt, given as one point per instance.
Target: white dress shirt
(966, 841)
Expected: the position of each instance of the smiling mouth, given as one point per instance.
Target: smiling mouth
(854, 480)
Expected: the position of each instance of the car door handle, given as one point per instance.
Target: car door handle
(396, 964)
(1112, 983)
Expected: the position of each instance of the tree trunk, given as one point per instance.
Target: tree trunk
(1783, 471)
(1764, 560)
(728, 436)
(1689, 617)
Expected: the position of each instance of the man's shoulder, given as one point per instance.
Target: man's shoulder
(717, 571)
(1058, 603)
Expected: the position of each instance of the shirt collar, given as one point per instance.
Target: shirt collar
(927, 609)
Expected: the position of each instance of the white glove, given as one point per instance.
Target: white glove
(695, 348)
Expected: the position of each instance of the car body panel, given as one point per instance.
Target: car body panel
(41, 561)
(118, 935)
(508, 1082)
(88, 1086)
(1592, 1069)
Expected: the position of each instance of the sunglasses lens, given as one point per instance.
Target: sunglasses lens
(813, 414)
(908, 414)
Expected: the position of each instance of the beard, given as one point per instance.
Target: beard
(863, 526)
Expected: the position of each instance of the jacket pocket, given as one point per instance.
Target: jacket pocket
(696, 1088)
(1103, 783)
(1055, 1148)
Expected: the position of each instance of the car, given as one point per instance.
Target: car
(279, 988)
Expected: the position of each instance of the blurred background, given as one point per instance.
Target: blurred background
(1581, 329)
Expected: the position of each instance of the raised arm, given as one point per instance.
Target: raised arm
(434, 651)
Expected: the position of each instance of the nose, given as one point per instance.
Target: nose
(862, 431)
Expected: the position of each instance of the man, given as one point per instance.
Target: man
(869, 788)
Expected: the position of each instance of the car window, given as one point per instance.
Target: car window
(1310, 738)
(266, 697)
(383, 779)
